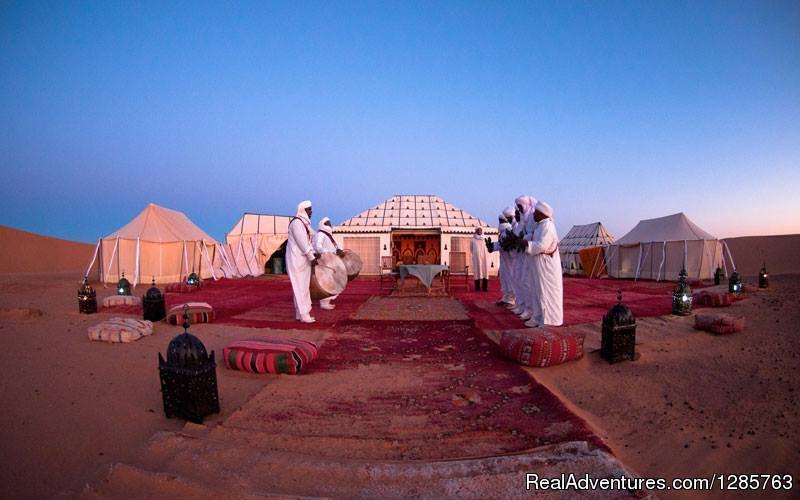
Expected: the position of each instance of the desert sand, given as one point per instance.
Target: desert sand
(692, 404)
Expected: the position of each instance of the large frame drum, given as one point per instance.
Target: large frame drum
(328, 277)
(352, 262)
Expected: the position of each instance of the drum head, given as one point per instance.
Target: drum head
(328, 278)
(352, 262)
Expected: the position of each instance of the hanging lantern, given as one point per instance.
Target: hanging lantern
(123, 285)
(87, 298)
(193, 279)
(735, 283)
(719, 275)
(188, 378)
(682, 297)
(153, 304)
(763, 277)
(618, 340)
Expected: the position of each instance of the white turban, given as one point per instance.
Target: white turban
(508, 212)
(527, 203)
(544, 208)
(322, 226)
(301, 210)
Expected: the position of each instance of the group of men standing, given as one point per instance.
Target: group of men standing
(303, 248)
(530, 265)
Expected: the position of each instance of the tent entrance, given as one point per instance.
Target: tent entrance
(413, 247)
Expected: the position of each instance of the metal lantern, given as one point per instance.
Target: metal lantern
(193, 279)
(153, 304)
(763, 277)
(719, 275)
(87, 298)
(618, 341)
(188, 378)
(123, 286)
(682, 297)
(735, 283)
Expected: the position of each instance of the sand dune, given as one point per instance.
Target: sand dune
(24, 252)
(780, 253)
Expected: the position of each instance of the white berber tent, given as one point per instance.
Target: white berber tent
(659, 248)
(578, 238)
(253, 239)
(159, 243)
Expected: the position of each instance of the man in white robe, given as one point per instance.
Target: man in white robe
(526, 307)
(547, 279)
(480, 268)
(323, 242)
(300, 257)
(504, 272)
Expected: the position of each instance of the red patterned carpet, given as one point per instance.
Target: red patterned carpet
(410, 390)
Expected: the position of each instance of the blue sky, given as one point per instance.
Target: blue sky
(611, 111)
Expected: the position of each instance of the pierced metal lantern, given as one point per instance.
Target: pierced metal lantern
(682, 297)
(153, 304)
(719, 275)
(123, 286)
(763, 277)
(188, 378)
(618, 341)
(735, 283)
(193, 279)
(87, 298)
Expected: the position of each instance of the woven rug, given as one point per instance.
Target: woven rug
(411, 308)
(419, 390)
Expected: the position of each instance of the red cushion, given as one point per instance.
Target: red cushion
(719, 323)
(270, 355)
(542, 346)
(199, 312)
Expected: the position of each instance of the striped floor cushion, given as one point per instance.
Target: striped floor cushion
(120, 330)
(199, 312)
(542, 346)
(713, 299)
(270, 355)
(121, 300)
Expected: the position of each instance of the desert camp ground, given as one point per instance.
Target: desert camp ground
(410, 394)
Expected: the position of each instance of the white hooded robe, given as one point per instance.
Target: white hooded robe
(299, 255)
(547, 280)
(323, 242)
(480, 268)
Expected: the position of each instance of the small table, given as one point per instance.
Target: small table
(424, 272)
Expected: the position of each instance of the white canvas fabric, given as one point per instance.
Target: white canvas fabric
(659, 248)
(160, 244)
(578, 238)
(253, 240)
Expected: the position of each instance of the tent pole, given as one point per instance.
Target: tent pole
(185, 259)
(663, 259)
(111, 260)
(208, 259)
(730, 256)
(136, 267)
(119, 252)
(638, 264)
(94, 258)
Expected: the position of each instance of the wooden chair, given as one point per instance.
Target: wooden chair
(458, 267)
(388, 271)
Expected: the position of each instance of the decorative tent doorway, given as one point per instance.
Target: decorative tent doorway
(416, 246)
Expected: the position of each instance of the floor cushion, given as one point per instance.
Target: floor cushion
(121, 300)
(544, 346)
(199, 312)
(713, 299)
(270, 355)
(121, 330)
(719, 323)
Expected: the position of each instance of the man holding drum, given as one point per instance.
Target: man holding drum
(324, 243)
(300, 257)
